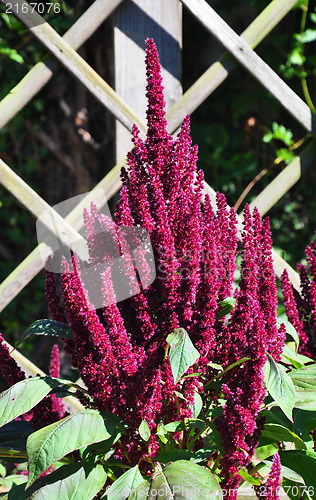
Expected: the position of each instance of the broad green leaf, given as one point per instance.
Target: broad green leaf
(305, 400)
(13, 479)
(279, 385)
(84, 483)
(285, 472)
(2, 470)
(50, 444)
(182, 353)
(181, 479)
(46, 327)
(144, 430)
(247, 477)
(162, 433)
(281, 433)
(305, 379)
(303, 462)
(23, 396)
(125, 484)
(197, 406)
(226, 306)
(290, 330)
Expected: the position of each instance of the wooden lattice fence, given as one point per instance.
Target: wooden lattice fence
(163, 23)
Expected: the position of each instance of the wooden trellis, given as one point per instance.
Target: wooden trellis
(240, 49)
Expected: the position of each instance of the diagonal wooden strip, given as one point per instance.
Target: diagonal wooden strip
(218, 71)
(40, 74)
(33, 264)
(72, 404)
(252, 62)
(75, 64)
(37, 206)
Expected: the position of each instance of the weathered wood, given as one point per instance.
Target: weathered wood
(283, 182)
(33, 263)
(252, 62)
(75, 64)
(136, 20)
(203, 87)
(41, 73)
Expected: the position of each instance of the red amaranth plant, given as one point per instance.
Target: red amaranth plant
(301, 307)
(120, 350)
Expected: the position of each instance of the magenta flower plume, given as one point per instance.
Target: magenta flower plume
(54, 371)
(120, 349)
(250, 332)
(274, 480)
(301, 307)
(9, 369)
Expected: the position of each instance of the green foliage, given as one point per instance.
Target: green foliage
(279, 385)
(182, 353)
(47, 327)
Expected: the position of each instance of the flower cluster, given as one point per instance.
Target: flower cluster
(250, 333)
(120, 349)
(301, 307)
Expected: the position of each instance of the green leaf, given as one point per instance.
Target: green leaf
(13, 479)
(50, 444)
(74, 481)
(247, 477)
(23, 396)
(197, 406)
(279, 385)
(303, 462)
(305, 379)
(181, 479)
(226, 306)
(182, 353)
(144, 430)
(46, 327)
(125, 484)
(281, 433)
(290, 330)
(162, 433)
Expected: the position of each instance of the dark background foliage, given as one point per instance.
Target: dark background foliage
(62, 143)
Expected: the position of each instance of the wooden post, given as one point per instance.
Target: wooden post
(135, 21)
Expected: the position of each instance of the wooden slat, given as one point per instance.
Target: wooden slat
(41, 73)
(75, 64)
(252, 62)
(72, 404)
(203, 87)
(33, 264)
